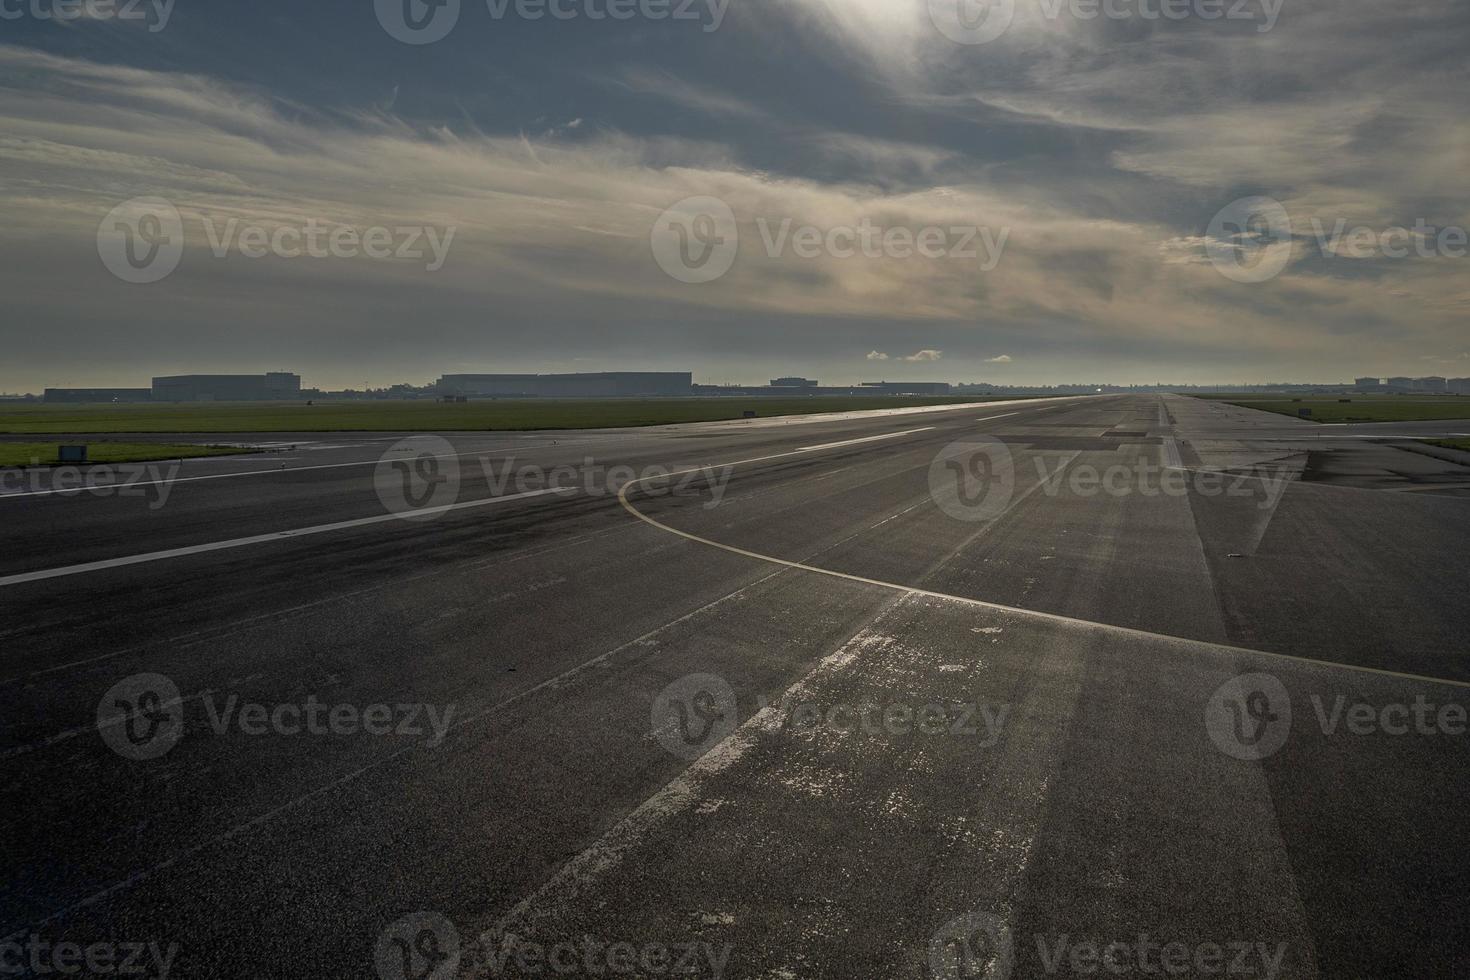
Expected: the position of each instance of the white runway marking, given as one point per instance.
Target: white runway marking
(880, 412)
(1172, 460)
(696, 427)
(199, 549)
(470, 719)
(230, 476)
(1000, 607)
(839, 445)
(676, 796)
(75, 491)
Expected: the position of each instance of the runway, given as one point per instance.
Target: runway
(1012, 689)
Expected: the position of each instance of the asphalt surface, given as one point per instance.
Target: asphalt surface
(1133, 685)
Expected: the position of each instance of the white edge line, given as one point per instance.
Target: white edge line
(836, 445)
(996, 606)
(227, 476)
(198, 549)
(825, 417)
(65, 570)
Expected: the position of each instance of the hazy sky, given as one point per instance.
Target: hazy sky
(1070, 171)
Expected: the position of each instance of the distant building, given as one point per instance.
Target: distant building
(1403, 384)
(606, 384)
(867, 388)
(1364, 384)
(1432, 384)
(908, 387)
(1459, 386)
(275, 386)
(74, 395)
(487, 385)
(282, 385)
(793, 383)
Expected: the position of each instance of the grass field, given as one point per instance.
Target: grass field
(42, 453)
(1362, 408)
(409, 416)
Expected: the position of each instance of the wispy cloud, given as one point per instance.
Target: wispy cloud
(1102, 160)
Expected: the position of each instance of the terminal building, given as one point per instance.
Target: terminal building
(272, 386)
(605, 384)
